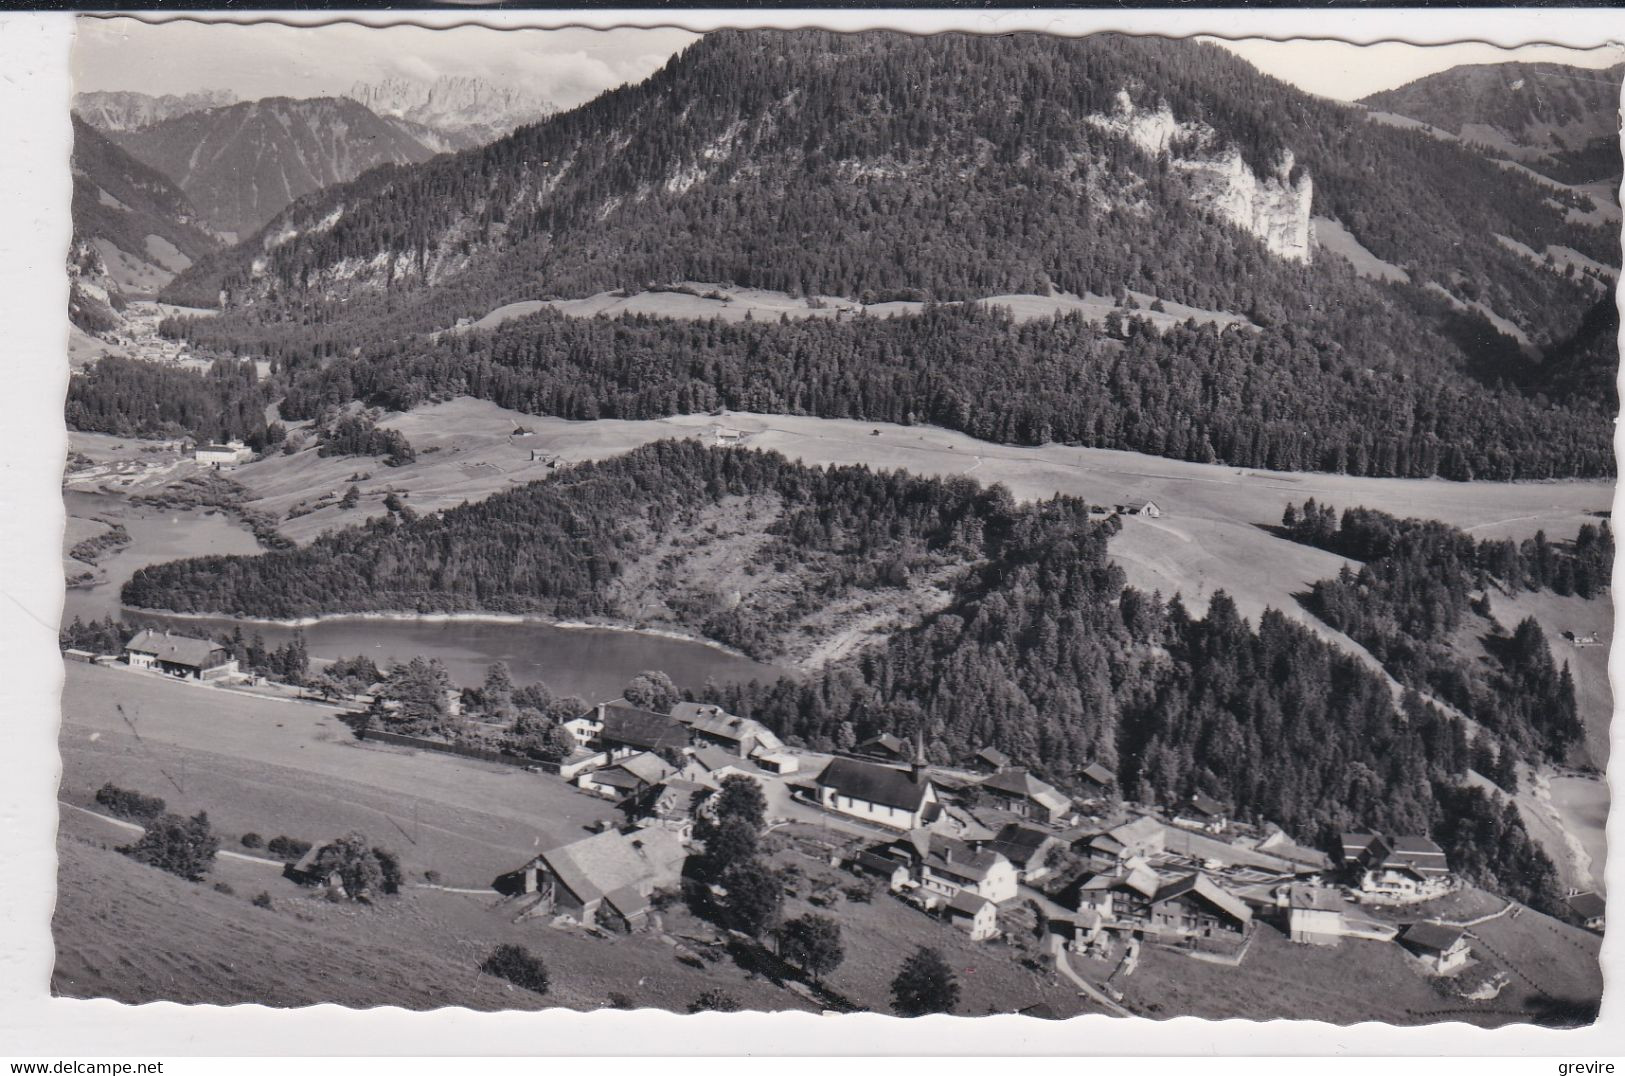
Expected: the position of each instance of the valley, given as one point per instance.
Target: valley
(1085, 512)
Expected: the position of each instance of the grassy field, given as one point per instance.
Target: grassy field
(703, 302)
(1547, 962)
(270, 767)
(136, 934)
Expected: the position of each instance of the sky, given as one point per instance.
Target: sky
(570, 66)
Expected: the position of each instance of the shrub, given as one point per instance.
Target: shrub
(253, 840)
(519, 966)
(432, 877)
(181, 846)
(715, 1000)
(618, 1000)
(263, 901)
(289, 848)
(126, 803)
(224, 887)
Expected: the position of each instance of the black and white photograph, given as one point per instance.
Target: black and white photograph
(768, 520)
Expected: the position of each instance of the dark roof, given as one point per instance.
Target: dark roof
(1588, 905)
(1314, 898)
(627, 724)
(885, 744)
(1417, 854)
(993, 757)
(1205, 805)
(177, 649)
(1023, 785)
(1098, 774)
(1203, 888)
(884, 785)
(1432, 936)
(1019, 843)
(967, 903)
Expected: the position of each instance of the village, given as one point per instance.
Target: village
(1084, 879)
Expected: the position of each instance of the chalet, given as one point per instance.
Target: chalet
(989, 760)
(1142, 838)
(893, 871)
(1097, 780)
(1315, 915)
(1441, 949)
(604, 879)
(628, 730)
(1080, 930)
(947, 866)
(974, 914)
(669, 805)
(629, 777)
(306, 871)
(709, 765)
(1202, 812)
(1022, 793)
(1401, 870)
(1106, 892)
(711, 726)
(1140, 506)
(223, 457)
(886, 747)
(179, 655)
(1028, 848)
(1194, 906)
(886, 795)
(1591, 909)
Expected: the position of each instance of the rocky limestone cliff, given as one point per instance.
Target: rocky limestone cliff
(1274, 207)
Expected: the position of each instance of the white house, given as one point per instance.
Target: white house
(1401, 870)
(223, 456)
(974, 914)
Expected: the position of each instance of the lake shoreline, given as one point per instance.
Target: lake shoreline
(397, 616)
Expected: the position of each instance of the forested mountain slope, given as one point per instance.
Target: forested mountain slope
(1039, 650)
(1562, 121)
(882, 165)
(244, 163)
(132, 229)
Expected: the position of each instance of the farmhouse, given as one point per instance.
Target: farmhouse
(1106, 893)
(630, 776)
(671, 806)
(604, 879)
(948, 866)
(1403, 870)
(989, 760)
(1142, 838)
(578, 762)
(179, 655)
(1028, 848)
(976, 915)
(1591, 909)
(709, 765)
(223, 457)
(1202, 812)
(885, 795)
(885, 747)
(1442, 949)
(1314, 915)
(712, 726)
(1096, 780)
(1140, 506)
(625, 730)
(1021, 792)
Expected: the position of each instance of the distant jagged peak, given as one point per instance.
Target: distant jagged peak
(453, 103)
(128, 110)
